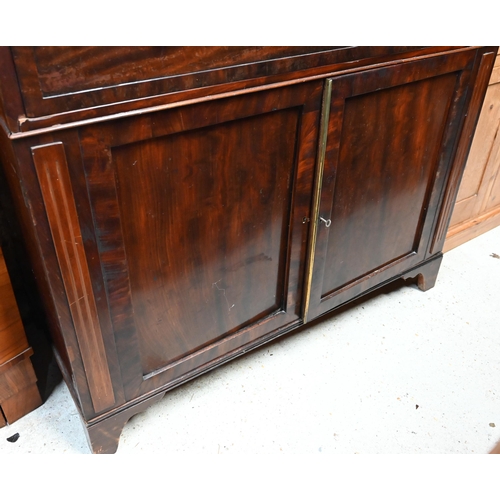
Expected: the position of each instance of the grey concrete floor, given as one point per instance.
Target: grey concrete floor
(401, 372)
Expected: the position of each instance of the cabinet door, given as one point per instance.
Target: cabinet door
(200, 215)
(389, 141)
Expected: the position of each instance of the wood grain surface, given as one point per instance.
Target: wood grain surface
(229, 183)
(80, 83)
(390, 147)
(168, 196)
(477, 206)
(50, 162)
(12, 337)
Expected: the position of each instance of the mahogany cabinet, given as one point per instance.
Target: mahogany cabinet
(184, 205)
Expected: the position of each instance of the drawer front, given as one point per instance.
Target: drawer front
(65, 79)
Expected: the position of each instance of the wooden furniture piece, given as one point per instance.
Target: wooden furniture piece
(184, 205)
(18, 389)
(477, 208)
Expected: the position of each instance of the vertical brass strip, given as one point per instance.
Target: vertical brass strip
(325, 116)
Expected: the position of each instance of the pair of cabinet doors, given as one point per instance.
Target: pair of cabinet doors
(217, 225)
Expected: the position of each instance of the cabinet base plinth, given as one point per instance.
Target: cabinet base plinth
(104, 436)
(426, 274)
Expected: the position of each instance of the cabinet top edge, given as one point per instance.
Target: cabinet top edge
(48, 90)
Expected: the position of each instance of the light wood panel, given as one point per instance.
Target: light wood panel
(12, 337)
(18, 390)
(477, 208)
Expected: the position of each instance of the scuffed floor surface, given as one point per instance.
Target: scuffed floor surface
(400, 372)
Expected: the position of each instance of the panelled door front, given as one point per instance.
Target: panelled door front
(389, 143)
(200, 214)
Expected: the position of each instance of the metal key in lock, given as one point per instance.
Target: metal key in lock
(327, 222)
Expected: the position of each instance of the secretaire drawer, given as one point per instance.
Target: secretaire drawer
(83, 82)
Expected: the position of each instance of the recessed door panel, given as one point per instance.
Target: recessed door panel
(208, 211)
